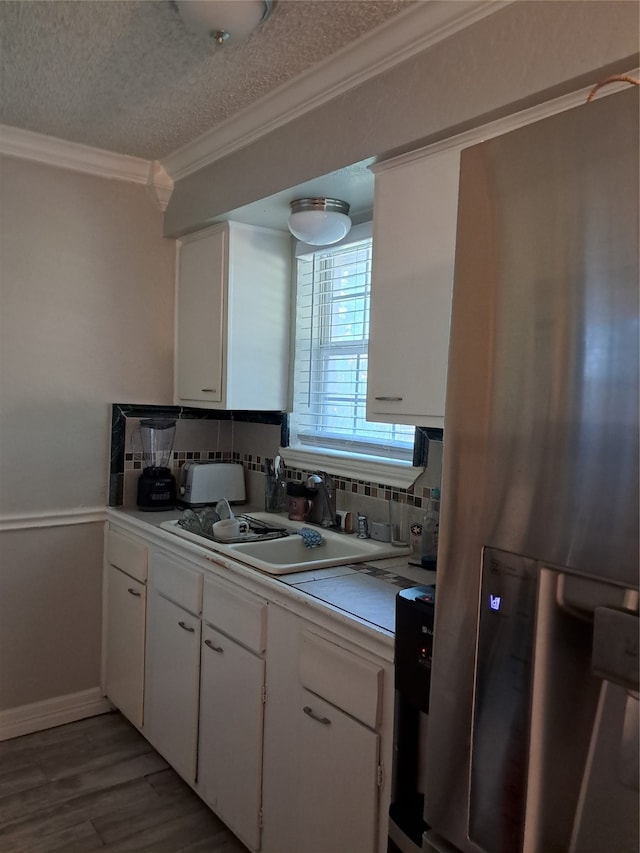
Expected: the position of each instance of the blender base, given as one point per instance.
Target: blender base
(156, 490)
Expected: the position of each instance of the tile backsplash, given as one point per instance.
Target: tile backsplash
(253, 444)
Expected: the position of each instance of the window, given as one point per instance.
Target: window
(330, 369)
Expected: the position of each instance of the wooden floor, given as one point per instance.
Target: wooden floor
(97, 785)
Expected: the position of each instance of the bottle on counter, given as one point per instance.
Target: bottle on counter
(429, 543)
(363, 527)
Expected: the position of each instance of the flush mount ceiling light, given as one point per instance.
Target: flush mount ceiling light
(319, 221)
(225, 21)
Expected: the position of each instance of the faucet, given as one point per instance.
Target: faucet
(323, 504)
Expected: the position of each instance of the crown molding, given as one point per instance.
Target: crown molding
(159, 185)
(405, 35)
(399, 39)
(51, 151)
(27, 145)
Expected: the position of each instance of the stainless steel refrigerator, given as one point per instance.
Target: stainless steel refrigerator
(533, 728)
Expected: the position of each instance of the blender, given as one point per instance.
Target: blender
(156, 484)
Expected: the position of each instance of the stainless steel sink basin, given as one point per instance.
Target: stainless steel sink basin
(289, 554)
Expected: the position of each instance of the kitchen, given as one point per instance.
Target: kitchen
(69, 351)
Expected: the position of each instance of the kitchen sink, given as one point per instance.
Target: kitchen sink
(279, 556)
(289, 553)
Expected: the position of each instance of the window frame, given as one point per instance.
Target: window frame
(388, 471)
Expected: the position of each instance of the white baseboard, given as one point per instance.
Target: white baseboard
(52, 712)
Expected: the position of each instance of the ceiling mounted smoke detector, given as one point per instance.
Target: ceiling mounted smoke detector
(319, 221)
(224, 21)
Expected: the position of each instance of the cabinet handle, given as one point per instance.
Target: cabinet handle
(309, 712)
(186, 627)
(218, 649)
(390, 399)
(133, 591)
(208, 390)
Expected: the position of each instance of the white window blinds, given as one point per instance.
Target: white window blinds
(330, 371)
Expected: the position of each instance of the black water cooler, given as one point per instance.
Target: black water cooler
(415, 609)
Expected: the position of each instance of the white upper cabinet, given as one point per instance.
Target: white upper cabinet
(414, 235)
(232, 327)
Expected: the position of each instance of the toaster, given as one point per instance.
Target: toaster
(208, 482)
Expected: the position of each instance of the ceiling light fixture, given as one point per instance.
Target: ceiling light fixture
(225, 21)
(319, 221)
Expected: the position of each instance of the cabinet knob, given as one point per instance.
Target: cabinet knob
(133, 591)
(309, 712)
(389, 399)
(186, 627)
(210, 645)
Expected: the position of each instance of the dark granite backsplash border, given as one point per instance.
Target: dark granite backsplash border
(121, 411)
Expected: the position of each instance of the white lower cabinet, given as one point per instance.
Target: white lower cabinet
(172, 678)
(125, 575)
(232, 695)
(322, 769)
(125, 633)
(230, 743)
(281, 724)
(337, 779)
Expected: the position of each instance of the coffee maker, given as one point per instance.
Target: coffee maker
(156, 484)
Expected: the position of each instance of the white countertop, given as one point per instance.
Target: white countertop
(364, 591)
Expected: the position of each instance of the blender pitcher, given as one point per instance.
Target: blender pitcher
(156, 484)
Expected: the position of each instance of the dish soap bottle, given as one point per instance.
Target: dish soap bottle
(430, 525)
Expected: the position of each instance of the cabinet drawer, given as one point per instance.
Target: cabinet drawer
(128, 555)
(176, 582)
(345, 680)
(237, 614)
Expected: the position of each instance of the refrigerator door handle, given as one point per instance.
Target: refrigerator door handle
(615, 646)
(588, 651)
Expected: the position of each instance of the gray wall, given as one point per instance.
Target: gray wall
(520, 56)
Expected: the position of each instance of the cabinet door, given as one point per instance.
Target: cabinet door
(172, 684)
(230, 743)
(337, 797)
(125, 614)
(321, 781)
(200, 324)
(414, 232)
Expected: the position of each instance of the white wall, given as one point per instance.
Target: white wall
(86, 319)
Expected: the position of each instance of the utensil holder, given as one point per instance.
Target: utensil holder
(399, 523)
(275, 494)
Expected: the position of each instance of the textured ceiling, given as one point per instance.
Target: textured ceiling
(127, 76)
